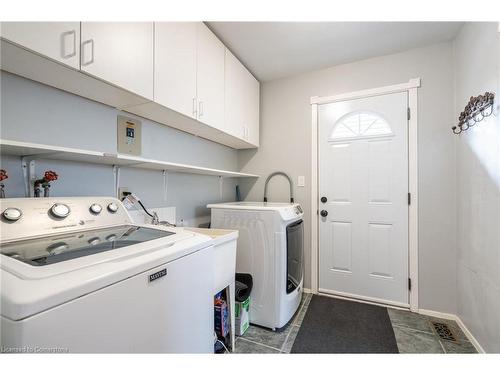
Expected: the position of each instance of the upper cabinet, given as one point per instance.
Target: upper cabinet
(210, 78)
(176, 73)
(120, 53)
(56, 40)
(242, 96)
(175, 66)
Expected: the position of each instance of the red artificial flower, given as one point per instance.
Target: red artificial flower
(3, 175)
(50, 176)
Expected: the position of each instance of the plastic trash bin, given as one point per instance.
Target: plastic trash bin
(243, 289)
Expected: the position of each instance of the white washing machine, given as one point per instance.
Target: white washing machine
(77, 275)
(270, 248)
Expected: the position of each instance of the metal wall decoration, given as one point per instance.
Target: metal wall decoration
(476, 110)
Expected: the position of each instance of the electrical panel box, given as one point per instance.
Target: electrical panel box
(129, 136)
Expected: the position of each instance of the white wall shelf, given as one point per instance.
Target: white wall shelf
(36, 150)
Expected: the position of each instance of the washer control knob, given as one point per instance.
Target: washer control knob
(12, 214)
(95, 208)
(112, 207)
(57, 248)
(111, 238)
(60, 210)
(94, 241)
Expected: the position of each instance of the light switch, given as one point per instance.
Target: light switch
(302, 181)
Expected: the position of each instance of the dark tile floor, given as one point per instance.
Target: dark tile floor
(414, 334)
(261, 340)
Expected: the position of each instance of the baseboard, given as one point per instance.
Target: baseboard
(461, 324)
(469, 335)
(306, 290)
(438, 314)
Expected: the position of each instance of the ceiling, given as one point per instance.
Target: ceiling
(272, 50)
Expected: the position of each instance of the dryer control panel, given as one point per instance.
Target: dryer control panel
(293, 211)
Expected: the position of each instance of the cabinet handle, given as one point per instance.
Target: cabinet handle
(194, 107)
(63, 44)
(91, 42)
(200, 110)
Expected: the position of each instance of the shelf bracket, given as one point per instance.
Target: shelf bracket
(165, 185)
(28, 166)
(221, 182)
(116, 178)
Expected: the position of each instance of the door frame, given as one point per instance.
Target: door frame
(411, 87)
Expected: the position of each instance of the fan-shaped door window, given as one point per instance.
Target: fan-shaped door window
(358, 125)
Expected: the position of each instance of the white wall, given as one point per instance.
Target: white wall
(286, 145)
(477, 62)
(33, 112)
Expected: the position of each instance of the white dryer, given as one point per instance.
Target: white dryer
(270, 248)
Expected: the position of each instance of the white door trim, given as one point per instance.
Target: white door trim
(411, 84)
(411, 87)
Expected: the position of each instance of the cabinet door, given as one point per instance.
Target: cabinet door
(120, 53)
(241, 101)
(210, 78)
(56, 40)
(175, 66)
(251, 108)
(234, 82)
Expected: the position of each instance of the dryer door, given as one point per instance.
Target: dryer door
(295, 255)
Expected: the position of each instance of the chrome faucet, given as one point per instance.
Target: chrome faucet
(280, 174)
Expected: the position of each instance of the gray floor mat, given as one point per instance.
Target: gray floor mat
(338, 326)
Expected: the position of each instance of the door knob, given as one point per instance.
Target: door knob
(323, 199)
(324, 213)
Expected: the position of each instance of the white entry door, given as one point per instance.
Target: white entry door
(363, 198)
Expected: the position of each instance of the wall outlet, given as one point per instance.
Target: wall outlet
(123, 192)
(301, 181)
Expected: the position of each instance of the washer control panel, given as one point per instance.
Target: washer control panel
(29, 217)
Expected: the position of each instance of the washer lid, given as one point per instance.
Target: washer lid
(63, 247)
(29, 289)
